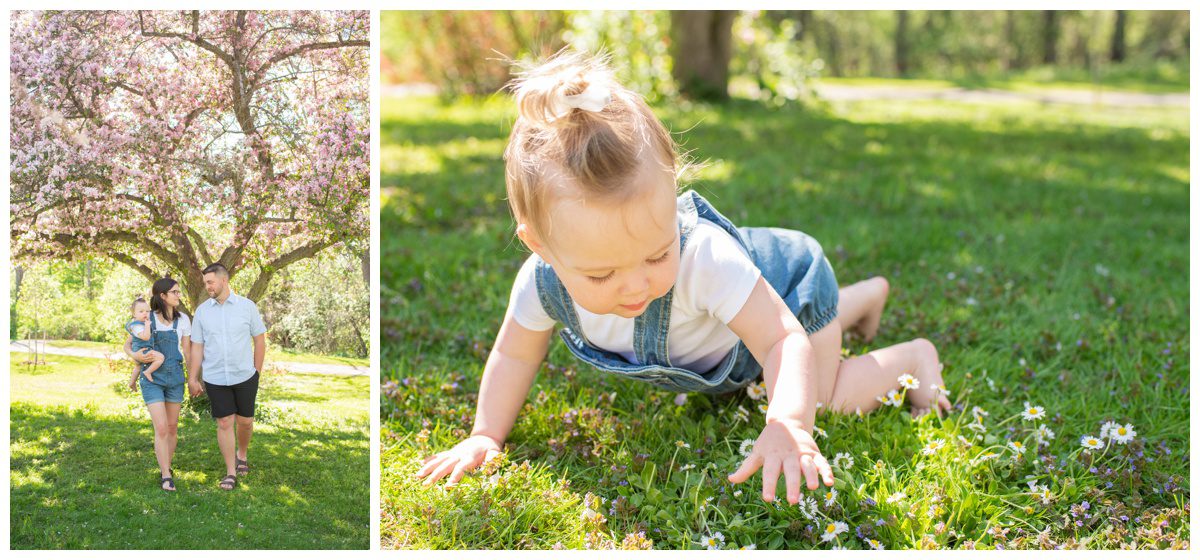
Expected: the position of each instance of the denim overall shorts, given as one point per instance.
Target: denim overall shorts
(169, 379)
(792, 263)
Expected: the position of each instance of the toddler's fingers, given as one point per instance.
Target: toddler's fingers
(791, 476)
(457, 475)
(432, 465)
(944, 403)
(748, 468)
(771, 468)
(810, 471)
(824, 468)
(441, 472)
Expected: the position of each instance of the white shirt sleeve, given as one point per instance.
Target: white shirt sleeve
(185, 326)
(137, 329)
(523, 301)
(720, 276)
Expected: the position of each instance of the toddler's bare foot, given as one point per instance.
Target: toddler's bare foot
(877, 293)
(930, 393)
(149, 377)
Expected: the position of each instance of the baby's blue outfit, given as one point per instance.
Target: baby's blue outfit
(791, 262)
(139, 344)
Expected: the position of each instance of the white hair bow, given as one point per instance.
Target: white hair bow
(593, 98)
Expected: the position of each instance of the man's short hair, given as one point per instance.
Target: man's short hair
(216, 268)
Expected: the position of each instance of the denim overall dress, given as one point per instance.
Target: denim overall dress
(792, 263)
(169, 379)
(137, 344)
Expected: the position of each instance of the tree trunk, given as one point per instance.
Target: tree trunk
(366, 268)
(1117, 52)
(1049, 36)
(702, 45)
(902, 62)
(18, 275)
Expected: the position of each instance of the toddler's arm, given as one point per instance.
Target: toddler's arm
(778, 341)
(511, 368)
(145, 334)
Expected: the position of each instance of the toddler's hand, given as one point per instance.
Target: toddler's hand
(468, 454)
(785, 446)
(133, 384)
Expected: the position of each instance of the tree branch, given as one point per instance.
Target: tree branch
(279, 57)
(268, 270)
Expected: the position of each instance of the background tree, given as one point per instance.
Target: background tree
(702, 45)
(169, 140)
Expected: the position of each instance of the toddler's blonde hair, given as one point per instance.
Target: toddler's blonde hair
(595, 152)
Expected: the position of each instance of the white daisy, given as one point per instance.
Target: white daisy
(977, 427)
(833, 529)
(756, 391)
(1044, 434)
(1090, 442)
(682, 444)
(1033, 412)
(986, 456)
(1107, 428)
(843, 461)
(1122, 434)
(762, 408)
(908, 381)
(894, 498)
(746, 447)
(939, 390)
(687, 467)
(897, 399)
(818, 432)
(714, 541)
(1042, 493)
(933, 447)
(741, 414)
(807, 507)
(1017, 446)
(875, 545)
(831, 497)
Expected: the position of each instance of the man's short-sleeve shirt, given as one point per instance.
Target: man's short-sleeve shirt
(227, 331)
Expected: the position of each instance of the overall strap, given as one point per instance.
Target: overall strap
(651, 329)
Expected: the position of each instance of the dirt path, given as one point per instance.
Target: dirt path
(293, 367)
(1066, 96)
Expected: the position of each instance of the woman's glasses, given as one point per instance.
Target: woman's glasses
(176, 291)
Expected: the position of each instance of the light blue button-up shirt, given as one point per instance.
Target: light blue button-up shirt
(227, 331)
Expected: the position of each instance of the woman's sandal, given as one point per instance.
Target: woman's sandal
(229, 479)
(242, 468)
(169, 481)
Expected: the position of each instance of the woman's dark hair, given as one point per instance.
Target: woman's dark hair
(157, 291)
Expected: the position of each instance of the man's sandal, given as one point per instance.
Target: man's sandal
(242, 468)
(230, 480)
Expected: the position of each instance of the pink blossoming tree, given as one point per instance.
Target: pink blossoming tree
(170, 140)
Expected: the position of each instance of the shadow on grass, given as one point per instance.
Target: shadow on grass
(83, 481)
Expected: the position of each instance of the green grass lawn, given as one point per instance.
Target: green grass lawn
(1044, 250)
(1161, 77)
(273, 354)
(84, 476)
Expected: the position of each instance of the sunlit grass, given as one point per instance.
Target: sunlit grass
(1044, 250)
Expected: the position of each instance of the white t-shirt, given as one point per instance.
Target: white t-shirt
(184, 328)
(715, 279)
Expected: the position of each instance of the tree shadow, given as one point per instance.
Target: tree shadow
(81, 480)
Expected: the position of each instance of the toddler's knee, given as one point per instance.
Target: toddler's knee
(882, 284)
(925, 349)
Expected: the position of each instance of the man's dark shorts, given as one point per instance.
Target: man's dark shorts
(233, 399)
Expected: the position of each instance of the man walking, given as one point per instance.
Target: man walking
(222, 332)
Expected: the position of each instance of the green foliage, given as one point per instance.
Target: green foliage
(767, 50)
(1044, 250)
(84, 475)
(318, 305)
(464, 52)
(321, 305)
(637, 42)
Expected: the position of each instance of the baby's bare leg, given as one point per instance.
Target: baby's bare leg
(860, 306)
(861, 379)
(153, 366)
